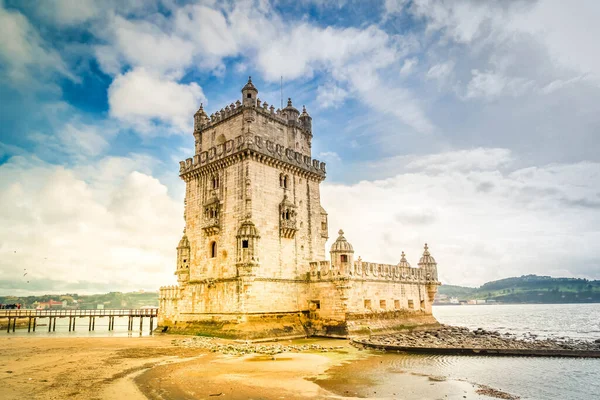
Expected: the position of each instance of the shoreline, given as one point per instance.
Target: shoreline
(454, 340)
(163, 367)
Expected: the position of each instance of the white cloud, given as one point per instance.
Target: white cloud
(461, 160)
(331, 95)
(330, 156)
(440, 72)
(139, 97)
(490, 85)
(68, 12)
(409, 65)
(75, 139)
(74, 228)
(144, 44)
(481, 223)
(25, 54)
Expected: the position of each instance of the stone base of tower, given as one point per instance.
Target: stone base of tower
(371, 323)
(239, 326)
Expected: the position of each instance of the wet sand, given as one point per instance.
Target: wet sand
(154, 368)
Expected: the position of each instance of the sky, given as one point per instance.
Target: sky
(472, 126)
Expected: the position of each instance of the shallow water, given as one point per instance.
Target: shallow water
(82, 326)
(530, 378)
(580, 321)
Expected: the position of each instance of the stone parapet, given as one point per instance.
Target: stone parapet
(373, 271)
(169, 293)
(251, 144)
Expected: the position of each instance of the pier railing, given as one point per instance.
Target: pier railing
(139, 312)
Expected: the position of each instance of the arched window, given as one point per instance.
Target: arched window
(213, 249)
(344, 258)
(285, 182)
(215, 182)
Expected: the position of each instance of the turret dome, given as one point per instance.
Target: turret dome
(247, 230)
(249, 86)
(426, 259)
(341, 245)
(403, 262)
(184, 242)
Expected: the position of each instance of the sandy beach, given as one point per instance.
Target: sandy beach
(156, 368)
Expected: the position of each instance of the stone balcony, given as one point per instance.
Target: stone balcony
(287, 228)
(211, 226)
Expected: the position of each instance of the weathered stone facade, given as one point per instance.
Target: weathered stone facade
(251, 262)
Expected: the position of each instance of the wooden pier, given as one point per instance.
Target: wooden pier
(73, 315)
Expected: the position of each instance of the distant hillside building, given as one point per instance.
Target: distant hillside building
(251, 262)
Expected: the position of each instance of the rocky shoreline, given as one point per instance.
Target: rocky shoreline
(480, 340)
(236, 348)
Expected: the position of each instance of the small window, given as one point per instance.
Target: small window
(184, 260)
(344, 258)
(382, 304)
(213, 249)
(244, 244)
(249, 95)
(316, 304)
(368, 304)
(323, 226)
(397, 304)
(285, 182)
(411, 304)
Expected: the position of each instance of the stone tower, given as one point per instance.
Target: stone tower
(253, 218)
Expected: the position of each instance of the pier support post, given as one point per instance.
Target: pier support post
(8, 327)
(90, 325)
(49, 324)
(29, 325)
(34, 323)
(93, 323)
(14, 324)
(69, 324)
(151, 324)
(141, 323)
(74, 319)
(54, 325)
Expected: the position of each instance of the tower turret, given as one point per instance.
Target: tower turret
(403, 263)
(249, 94)
(291, 112)
(342, 254)
(200, 118)
(183, 259)
(305, 120)
(428, 263)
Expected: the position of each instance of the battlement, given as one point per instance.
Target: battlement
(261, 107)
(323, 270)
(169, 293)
(257, 145)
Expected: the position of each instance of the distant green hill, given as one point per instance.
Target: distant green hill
(107, 300)
(530, 289)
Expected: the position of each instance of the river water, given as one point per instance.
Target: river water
(527, 377)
